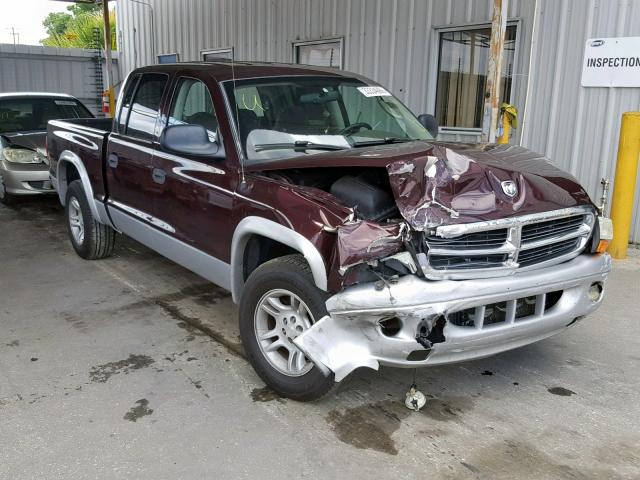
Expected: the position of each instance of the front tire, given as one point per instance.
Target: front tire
(5, 197)
(279, 301)
(90, 239)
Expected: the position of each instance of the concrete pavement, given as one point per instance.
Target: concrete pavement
(131, 368)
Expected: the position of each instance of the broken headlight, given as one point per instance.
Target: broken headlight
(22, 155)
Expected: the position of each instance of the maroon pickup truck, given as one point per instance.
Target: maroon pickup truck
(348, 236)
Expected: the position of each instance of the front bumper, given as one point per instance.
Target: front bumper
(26, 179)
(351, 335)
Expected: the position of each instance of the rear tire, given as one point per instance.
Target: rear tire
(278, 302)
(91, 239)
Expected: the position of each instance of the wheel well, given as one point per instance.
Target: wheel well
(261, 249)
(71, 173)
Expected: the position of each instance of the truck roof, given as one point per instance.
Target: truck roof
(227, 70)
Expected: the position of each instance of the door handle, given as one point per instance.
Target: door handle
(113, 160)
(158, 175)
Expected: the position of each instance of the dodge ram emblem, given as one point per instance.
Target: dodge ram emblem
(509, 188)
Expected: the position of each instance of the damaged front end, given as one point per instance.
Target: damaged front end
(412, 322)
(450, 253)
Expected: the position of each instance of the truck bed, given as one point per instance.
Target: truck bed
(85, 139)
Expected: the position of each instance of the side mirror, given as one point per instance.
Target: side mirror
(190, 140)
(430, 123)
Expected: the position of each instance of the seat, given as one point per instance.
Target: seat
(248, 121)
(207, 120)
(293, 120)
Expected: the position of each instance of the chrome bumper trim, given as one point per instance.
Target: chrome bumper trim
(351, 337)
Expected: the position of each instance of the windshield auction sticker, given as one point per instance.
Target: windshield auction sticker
(373, 92)
(611, 62)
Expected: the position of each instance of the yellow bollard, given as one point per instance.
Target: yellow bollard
(624, 186)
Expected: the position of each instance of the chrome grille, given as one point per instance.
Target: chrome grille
(547, 252)
(486, 249)
(486, 239)
(551, 228)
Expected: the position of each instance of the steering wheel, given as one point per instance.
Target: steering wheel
(354, 128)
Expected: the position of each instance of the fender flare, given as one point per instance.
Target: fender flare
(279, 233)
(68, 157)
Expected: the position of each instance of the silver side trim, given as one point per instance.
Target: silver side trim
(68, 157)
(203, 264)
(143, 216)
(270, 229)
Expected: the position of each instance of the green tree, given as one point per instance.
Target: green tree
(56, 23)
(80, 8)
(79, 32)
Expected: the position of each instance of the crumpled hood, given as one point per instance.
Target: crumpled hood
(438, 183)
(30, 140)
(454, 183)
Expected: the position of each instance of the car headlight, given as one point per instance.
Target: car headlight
(21, 155)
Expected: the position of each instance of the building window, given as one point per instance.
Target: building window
(168, 58)
(463, 60)
(217, 54)
(320, 53)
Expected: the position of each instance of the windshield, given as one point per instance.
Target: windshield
(280, 118)
(32, 113)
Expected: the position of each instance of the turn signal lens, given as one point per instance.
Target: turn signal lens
(602, 246)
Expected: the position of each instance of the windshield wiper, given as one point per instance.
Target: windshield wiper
(299, 146)
(382, 141)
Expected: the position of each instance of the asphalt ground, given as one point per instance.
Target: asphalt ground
(131, 368)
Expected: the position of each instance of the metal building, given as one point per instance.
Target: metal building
(431, 54)
(74, 71)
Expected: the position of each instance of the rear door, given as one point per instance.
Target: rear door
(131, 180)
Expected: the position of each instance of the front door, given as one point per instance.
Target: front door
(197, 194)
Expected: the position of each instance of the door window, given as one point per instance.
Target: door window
(145, 106)
(126, 103)
(192, 105)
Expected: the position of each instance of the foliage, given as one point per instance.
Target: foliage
(80, 8)
(56, 23)
(79, 31)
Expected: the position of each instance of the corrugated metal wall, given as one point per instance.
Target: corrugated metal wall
(395, 43)
(25, 68)
(578, 127)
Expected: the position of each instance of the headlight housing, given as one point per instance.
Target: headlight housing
(22, 155)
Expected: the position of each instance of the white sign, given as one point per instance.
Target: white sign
(611, 62)
(374, 92)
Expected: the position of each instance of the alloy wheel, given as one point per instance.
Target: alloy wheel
(76, 222)
(280, 316)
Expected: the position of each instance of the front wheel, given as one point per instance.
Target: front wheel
(5, 197)
(279, 302)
